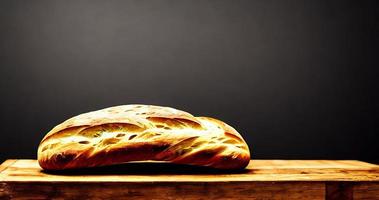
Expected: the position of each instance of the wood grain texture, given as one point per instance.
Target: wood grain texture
(366, 190)
(167, 190)
(263, 179)
(5, 164)
(339, 190)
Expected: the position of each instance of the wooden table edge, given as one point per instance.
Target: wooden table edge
(6, 164)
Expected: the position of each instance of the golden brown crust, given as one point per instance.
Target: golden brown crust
(142, 132)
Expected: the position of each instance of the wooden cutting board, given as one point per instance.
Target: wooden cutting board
(263, 179)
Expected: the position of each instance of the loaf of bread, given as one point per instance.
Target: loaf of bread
(140, 133)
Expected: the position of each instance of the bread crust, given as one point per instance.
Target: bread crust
(135, 132)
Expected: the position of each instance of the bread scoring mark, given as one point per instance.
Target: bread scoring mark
(197, 144)
(92, 132)
(177, 149)
(190, 123)
(120, 135)
(145, 134)
(161, 122)
(233, 136)
(100, 130)
(63, 133)
(109, 141)
(84, 142)
(186, 142)
(44, 148)
(132, 136)
(49, 146)
(231, 141)
(97, 134)
(163, 126)
(174, 123)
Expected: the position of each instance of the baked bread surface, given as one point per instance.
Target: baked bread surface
(125, 133)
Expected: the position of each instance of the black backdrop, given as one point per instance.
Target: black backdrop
(298, 79)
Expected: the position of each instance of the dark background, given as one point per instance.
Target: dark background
(298, 79)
